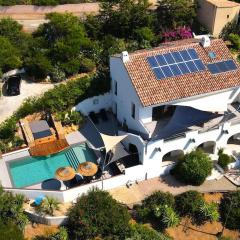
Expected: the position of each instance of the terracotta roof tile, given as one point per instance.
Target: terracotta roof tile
(153, 91)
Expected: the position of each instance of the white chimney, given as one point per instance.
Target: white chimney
(125, 56)
(205, 41)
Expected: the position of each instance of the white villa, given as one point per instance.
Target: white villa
(163, 103)
(172, 99)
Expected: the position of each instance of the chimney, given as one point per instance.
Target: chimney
(205, 41)
(125, 56)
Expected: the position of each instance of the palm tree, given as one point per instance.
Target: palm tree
(50, 205)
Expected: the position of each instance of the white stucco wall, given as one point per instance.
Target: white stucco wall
(94, 104)
(217, 101)
(126, 95)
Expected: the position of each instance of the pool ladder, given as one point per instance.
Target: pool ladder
(72, 159)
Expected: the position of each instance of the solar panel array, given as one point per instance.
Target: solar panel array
(176, 63)
(220, 67)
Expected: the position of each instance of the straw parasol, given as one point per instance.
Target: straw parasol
(87, 169)
(65, 173)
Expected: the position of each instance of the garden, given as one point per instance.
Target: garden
(158, 217)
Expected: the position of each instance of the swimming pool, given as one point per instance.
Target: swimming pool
(33, 170)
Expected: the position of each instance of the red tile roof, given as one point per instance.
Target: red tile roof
(152, 91)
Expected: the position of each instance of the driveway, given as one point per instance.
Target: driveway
(9, 104)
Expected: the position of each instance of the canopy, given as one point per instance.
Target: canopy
(212, 103)
(65, 173)
(111, 141)
(118, 152)
(87, 169)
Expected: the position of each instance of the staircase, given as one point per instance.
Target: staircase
(72, 158)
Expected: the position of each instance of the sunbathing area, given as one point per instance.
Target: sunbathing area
(56, 161)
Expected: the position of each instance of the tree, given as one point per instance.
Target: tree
(121, 18)
(230, 210)
(235, 40)
(209, 212)
(176, 13)
(193, 168)
(11, 209)
(9, 56)
(66, 41)
(98, 214)
(10, 231)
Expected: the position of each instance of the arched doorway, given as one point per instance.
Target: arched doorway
(208, 147)
(235, 139)
(132, 148)
(173, 156)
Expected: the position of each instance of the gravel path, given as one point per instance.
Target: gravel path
(9, 104)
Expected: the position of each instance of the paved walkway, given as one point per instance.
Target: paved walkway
(138, 192)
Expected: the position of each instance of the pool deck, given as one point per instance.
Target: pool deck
(49, 148)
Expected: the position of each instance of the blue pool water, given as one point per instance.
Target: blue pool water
(33, 170)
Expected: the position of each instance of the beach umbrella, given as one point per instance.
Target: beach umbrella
(65, 173)
(87, 169)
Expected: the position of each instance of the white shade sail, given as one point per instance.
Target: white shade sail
(111, 141)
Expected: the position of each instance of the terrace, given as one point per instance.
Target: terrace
(24, 170)
(184, 119)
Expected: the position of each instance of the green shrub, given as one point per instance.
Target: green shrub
(146, 209)
(235, 40)
(230, 206)
(188, 203)
(87, 65)
(98, 214)
(193, 205)
(142, 232)
(11, 209)
(10, 231)
(166, 216)
(224, 160)
(193, 168)
(48, 206)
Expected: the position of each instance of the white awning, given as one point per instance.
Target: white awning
(111, 141)
(212, 103)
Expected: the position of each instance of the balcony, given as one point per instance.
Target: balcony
(186, 119)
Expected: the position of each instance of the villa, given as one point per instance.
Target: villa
(163, 103)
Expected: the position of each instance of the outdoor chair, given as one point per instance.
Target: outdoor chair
(103, 115)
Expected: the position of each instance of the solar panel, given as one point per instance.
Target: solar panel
(169, 58)
(167, 71)
(183, 67)
(176, 63)
(158, 72)
(177, 57)
(152, 61)
(161, 60)
(231, 65)
(191, 66)
(199, 65)
(185, 55)
(193, 53)
(223, 66)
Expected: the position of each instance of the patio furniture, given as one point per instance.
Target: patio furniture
(103, 115)
(39, 200)
(65, 173)
(87, 169)
(93, 117)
